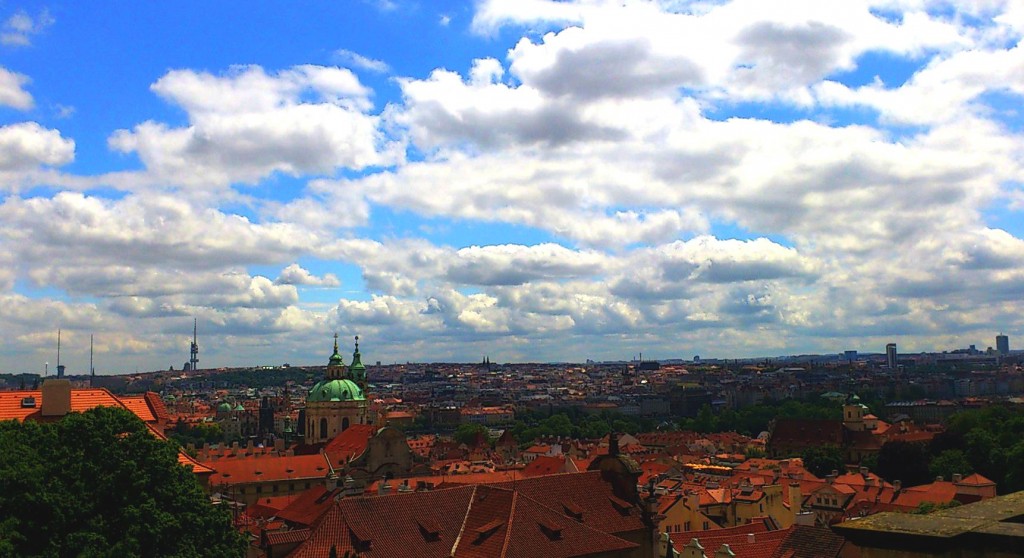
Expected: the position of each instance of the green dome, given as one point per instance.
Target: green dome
(225, 406)
(239, 407)
(335, 390)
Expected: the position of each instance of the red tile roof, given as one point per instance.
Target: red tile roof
(307, 508)
(351, 443)
(243, 470)
(810, 542)
(546, 465)
(589, 492)
(82, 399)
(478, 521)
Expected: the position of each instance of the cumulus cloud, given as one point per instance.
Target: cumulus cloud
(12, 92)
(716, 178)
(19, 29)
(308, 120)
(295, 274)
(27, 146)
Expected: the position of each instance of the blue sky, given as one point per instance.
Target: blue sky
(528, 180)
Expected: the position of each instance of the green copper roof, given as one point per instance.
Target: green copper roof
(357, 362)
(335, 390)
(336, 359)
(225, 406)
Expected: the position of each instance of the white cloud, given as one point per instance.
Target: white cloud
(295, 274)
(354, 59)
(27, 145)
(296, 135)
(20, 27)
(12, 92)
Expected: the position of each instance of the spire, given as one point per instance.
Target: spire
(336, 361)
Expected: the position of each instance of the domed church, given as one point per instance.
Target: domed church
(339, 400)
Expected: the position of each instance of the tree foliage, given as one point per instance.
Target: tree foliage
(904, 461)
(100, 484)
(821, 461)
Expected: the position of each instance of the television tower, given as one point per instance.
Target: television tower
(60, 367)
(193, 359)
(92, 369)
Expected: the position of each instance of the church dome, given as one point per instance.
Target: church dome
(335, 390)
(224, 407)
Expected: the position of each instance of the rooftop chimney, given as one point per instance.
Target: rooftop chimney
(750, 538)
(56, 398)
(957, 477)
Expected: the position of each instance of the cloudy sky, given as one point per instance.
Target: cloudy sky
(525, 179)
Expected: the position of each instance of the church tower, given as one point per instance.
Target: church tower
(853, 414)
(357, 369)
(336, 402)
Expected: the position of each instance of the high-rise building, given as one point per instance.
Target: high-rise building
(890, 355)
(1002, 344)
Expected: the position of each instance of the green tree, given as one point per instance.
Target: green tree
(904, 461)
(822, 460)
(949, 463)
(467, 433)
(100, 484)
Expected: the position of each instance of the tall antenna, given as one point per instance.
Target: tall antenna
(92, 369)
(193, 359)
(60, 367)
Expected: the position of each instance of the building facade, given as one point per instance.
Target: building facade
(339, 400)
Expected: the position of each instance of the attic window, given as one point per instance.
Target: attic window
(360, 539)
(429, 528)
(573, 510)
(551, 529)
(620, 504)
(28, 402)
(487, 529)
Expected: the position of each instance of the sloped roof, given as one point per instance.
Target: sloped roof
(350, 443)
(251, 469)
(602, 510)
(471, 521)
(545, 465)
(418, 524)
(803, 541)
(307, 508)
(807, 432)
(82, 399)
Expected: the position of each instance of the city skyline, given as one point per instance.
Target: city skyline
(532, 181)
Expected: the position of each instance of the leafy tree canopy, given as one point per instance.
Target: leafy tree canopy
(99, 483)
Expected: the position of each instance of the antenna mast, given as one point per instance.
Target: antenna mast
(92, 369)
(60, 368)
(193, 359)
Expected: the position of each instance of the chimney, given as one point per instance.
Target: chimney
(56, 398)
(897, 485)
(957, 477)
(750, 538)
(939, 478)
(383, 488)
(864, 472)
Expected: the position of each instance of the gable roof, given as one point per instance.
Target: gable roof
(470, 521)
(602, 510)
(350, 443)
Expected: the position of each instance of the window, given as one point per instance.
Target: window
(259, 490)
(344, 424)
(323, 428)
